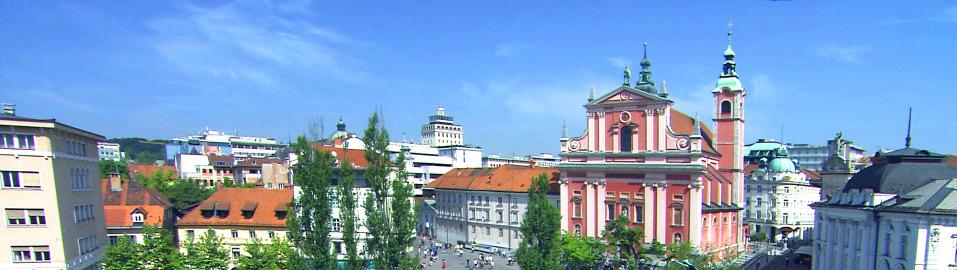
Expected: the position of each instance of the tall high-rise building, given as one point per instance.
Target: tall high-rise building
(52, 205)
(441, 130)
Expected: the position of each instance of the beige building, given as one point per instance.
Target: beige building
(238, 215)
(52, 205)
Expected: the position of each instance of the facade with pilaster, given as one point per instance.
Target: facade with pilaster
(663, 170)
(899, 213)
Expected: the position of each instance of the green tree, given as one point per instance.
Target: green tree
(272, 256)
(125, 255)
(206, 254)
(309, 225)
(112, 166)
(623, 240)
(159, 250)
(581, 252)
(185, 192)
(390, 217)
(539, 248)
(347, 214)
(759, 236)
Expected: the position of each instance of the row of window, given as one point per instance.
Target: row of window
(87, 244)
(23, 254)
(83, 213)
(17, 141)
(235, 234)
(14, 179)
(80, 179)
(25, 217)
(76, 148)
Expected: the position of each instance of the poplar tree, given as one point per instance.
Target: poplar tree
(124, 255)
(390, 217)
(347, 214)
(541, 232)
(309, 224)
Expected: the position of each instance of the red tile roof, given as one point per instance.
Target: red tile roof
(118, 205)
(235, 199)
(750, 168)
(148, 170)
(507, 178)
(811, 174)
(357, 157)
(681, 123)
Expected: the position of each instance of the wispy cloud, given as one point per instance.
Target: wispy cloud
(509, 49)
(619, 62)
(259, 45)
(949, 15)
(844, 54)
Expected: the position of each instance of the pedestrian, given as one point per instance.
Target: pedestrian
(443, 263)
(491, 264)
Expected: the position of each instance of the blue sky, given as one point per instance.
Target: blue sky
(509, 71)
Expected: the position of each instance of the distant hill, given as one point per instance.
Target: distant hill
(140, 150)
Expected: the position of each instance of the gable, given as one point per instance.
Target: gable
(625, 94)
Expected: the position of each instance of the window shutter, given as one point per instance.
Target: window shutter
(15, 214)
(30, 179)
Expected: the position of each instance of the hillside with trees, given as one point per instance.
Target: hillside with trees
(140, 150)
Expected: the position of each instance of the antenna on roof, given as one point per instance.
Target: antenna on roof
(907, 140)
(782, 133)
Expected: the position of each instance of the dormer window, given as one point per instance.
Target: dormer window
(249, 209)
(137, 217)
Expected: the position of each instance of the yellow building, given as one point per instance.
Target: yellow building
(238, 215)
(52, 206)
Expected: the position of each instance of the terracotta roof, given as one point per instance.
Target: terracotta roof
(234, 200)
(952, 160)
(750, 168)
(681, 123)
(507, 178)
(357, 157)
(148, 170)
(118, 205)
(811, 174)
(228, 161)
(258, 162)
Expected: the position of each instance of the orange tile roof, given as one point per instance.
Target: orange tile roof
(356, 156)
(147, 170)
(811, 174)
(681, 123)
(118, 205)
(267, 201)
(952, 160)
(750, 168)
(507, 178)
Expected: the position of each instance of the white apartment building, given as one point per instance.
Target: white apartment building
(899, 213)
(52, 206)
(109, 151)
(442, 130)
(425, 163)
(812, 157)
(483, 206)
(778, 198)
(211, 142)
(493, 161)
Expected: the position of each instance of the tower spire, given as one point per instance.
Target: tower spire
(564, 128)
(645, 83)
(907, 140)
(729, 64)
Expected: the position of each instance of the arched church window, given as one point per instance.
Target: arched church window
(625, 138)
(726, 106)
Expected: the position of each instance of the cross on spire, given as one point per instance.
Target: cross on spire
(730, 25)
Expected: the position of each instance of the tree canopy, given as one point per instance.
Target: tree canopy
(540, 246)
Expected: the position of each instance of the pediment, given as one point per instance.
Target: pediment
(625, 94)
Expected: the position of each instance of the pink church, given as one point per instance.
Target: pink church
(661, 169)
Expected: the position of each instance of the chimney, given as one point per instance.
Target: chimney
(9, 109)
(115, 183)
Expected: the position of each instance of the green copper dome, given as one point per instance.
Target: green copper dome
(781, 165)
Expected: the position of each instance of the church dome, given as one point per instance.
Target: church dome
(782, 165)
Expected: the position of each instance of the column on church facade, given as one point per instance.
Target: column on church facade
(563, 205)
(601, 132)
(602, 195)
(590, 208)
(649, 209)
(661, 212)
(694, 209)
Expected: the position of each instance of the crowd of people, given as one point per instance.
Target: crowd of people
(430, 252)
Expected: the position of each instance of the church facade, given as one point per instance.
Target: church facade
(661, 169)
